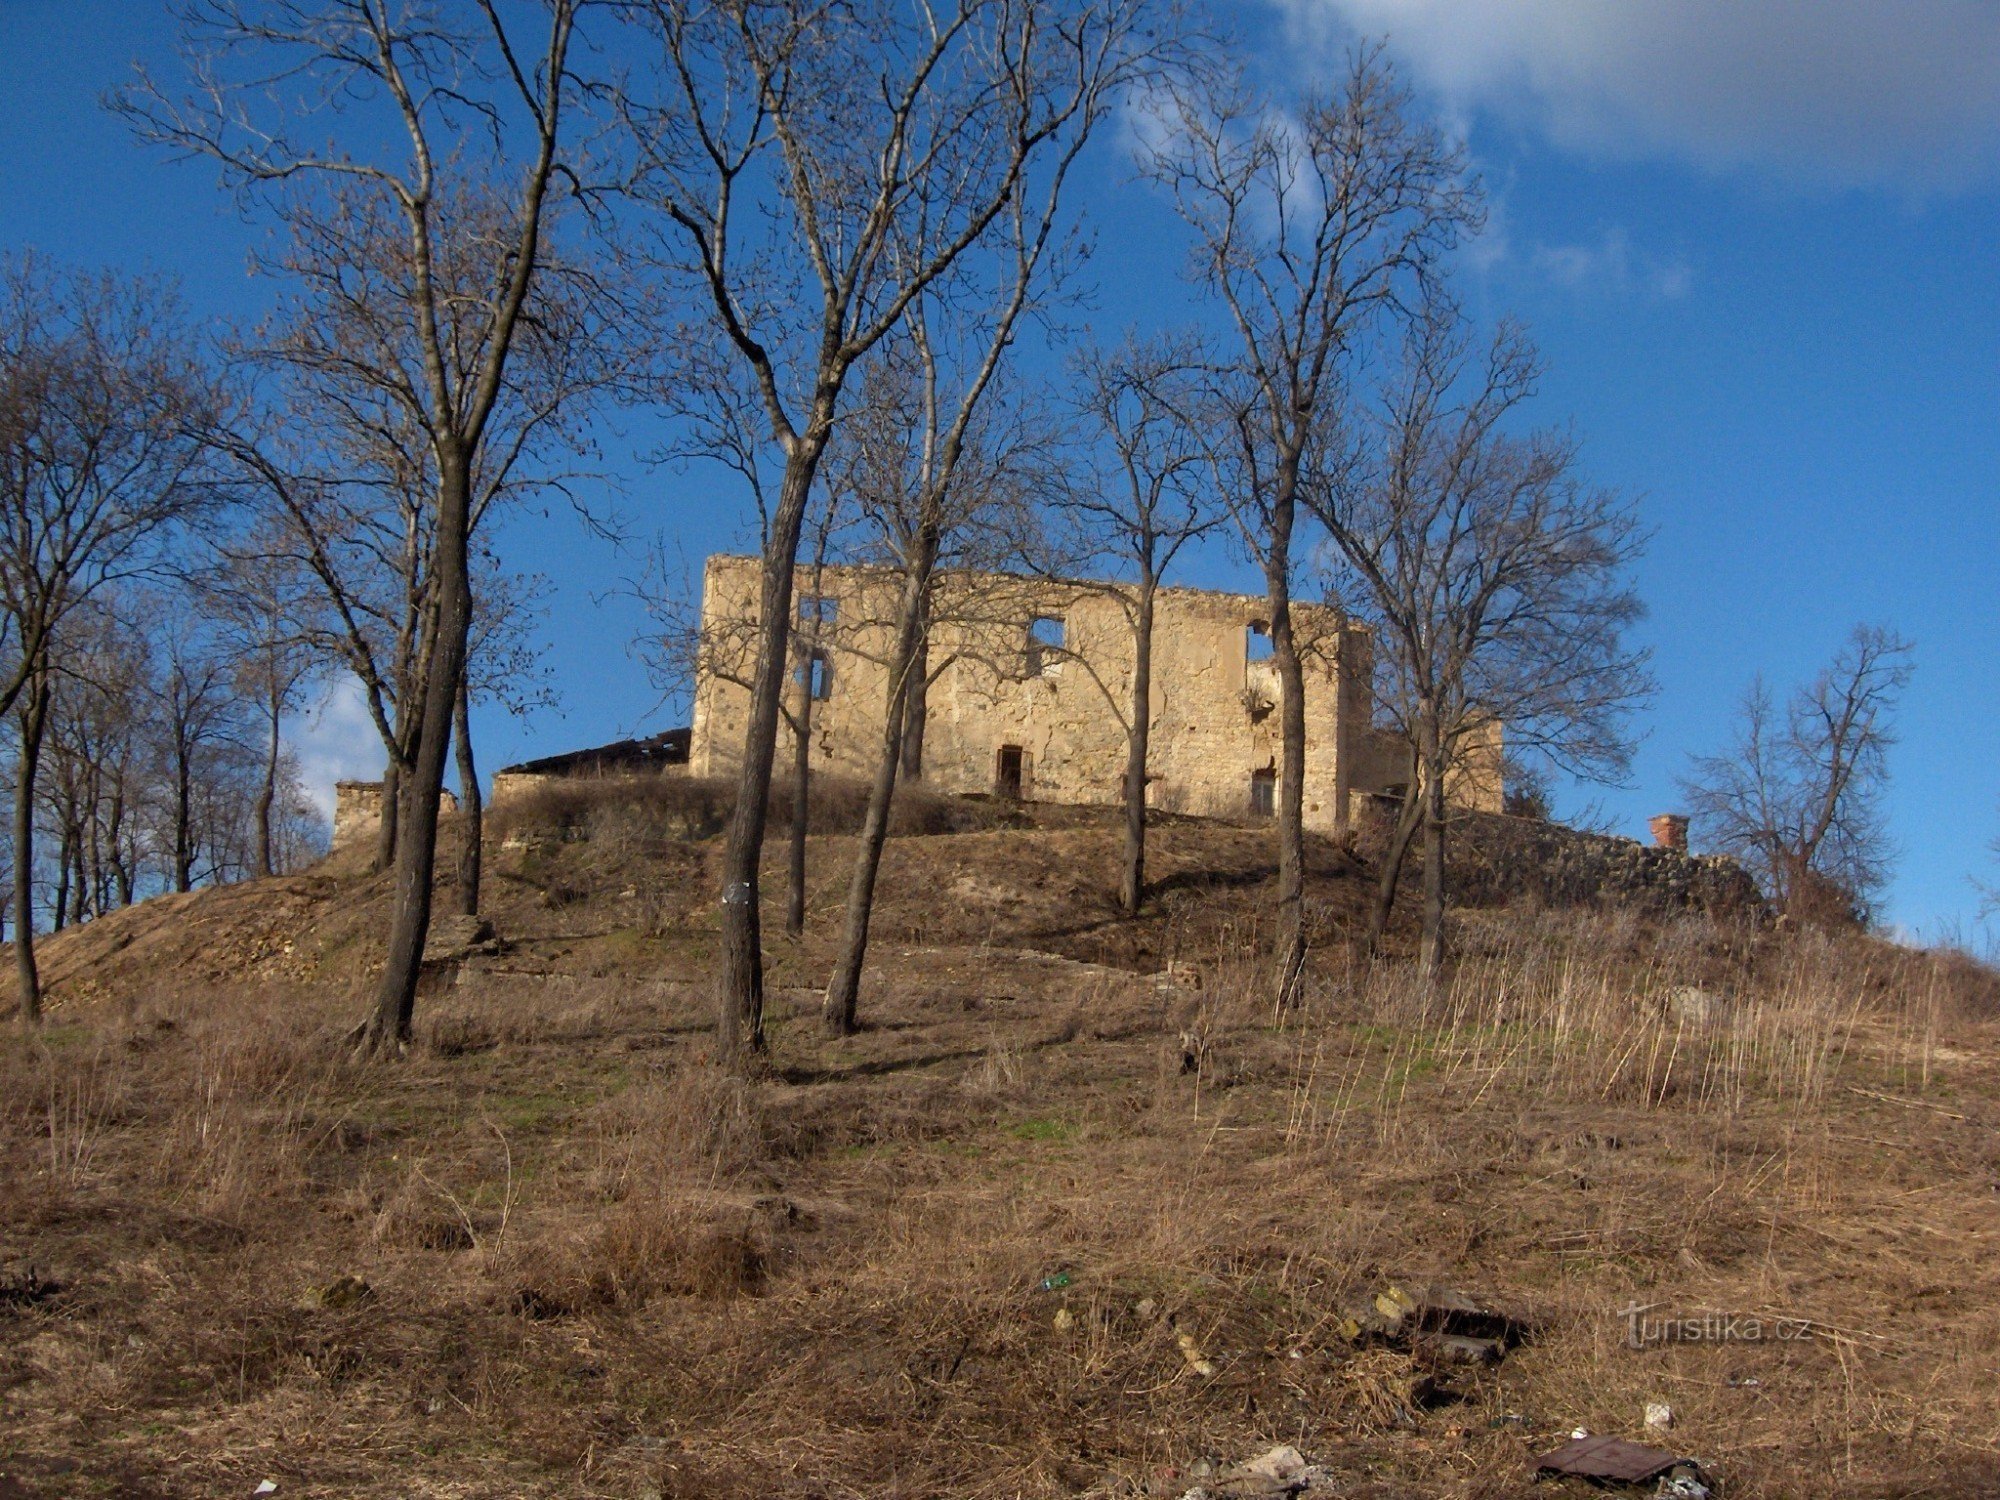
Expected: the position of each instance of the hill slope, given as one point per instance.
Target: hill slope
(1075, 1215)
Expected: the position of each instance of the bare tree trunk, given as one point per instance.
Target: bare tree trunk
(739, 974)
(391, 803)
(1291, 944)
(916, 710)
(843, 992)
(795, 886)
(79, 891)
(65, 851)
(267, 794)
(1431, 954)
(1390, 877)
(1139, 734)
(387, 1030)
(471, 805)
(34, 720)
(183, 821)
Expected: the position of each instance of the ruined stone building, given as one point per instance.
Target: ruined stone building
(357, 810)
(1030, 683)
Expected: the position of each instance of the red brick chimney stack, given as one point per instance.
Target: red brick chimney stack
(1670, 831)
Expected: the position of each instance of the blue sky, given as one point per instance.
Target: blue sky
(1756, 243)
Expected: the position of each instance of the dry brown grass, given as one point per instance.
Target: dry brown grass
(597, 1267)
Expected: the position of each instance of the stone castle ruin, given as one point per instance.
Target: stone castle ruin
(1029, 687)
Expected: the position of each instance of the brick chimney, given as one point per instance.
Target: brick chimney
(1670, 831)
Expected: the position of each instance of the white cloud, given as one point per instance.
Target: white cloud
(335, 740)
(1610, 264)
(1898, 92)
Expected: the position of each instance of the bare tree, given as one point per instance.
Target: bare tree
(417, 253)
(105, 412)
(1797, 796)
(1310, 228)
(269, 614)
(1496, 583)
(196, 710)
(1139, 508)
(933, 459)
(818, 626)
(816, 169)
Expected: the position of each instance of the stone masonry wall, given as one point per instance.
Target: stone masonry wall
(1215, 720)
(357, 810)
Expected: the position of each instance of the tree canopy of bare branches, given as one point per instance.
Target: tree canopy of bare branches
(815, 170)
(1137, 509)
(1313, 229)
(420, 310)
(106, 411)
(1797, 795)
(1495, 578)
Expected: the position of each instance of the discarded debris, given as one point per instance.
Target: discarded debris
(1614, 1460)
(268, 1487)
(1065, 1320)
(1191, 1352)
(1056, 1282)
(1282, 1472)
(1682, 1483)
(1659, 1416)
(1441, 1324)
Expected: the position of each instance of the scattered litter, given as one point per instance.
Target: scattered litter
(1682, 1483)
(268, 1487)
(1146, 1309)
(1056, 1282)
(1659, 1416)
(1614, 1460)
(1065, 1320)
(1745, 1383)
(1276, 1475)
(1438, 1324)
(1191, 1352)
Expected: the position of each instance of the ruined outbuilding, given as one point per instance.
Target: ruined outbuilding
(357, 810)
(664, 754)
(1030, 684)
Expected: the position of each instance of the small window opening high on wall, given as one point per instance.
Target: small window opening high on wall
(1257, 644)
(1047, 637)
(819, 676)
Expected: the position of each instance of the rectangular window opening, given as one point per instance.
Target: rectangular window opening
(1263, 793)
(1007, 772)
(816, 611)
(1257, 644)
(1047, 638)
(819, 676)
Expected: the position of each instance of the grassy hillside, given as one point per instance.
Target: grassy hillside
(554, 1253)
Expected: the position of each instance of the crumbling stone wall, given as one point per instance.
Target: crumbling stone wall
(1496, 859)
(1008, 711)
(357, 810)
